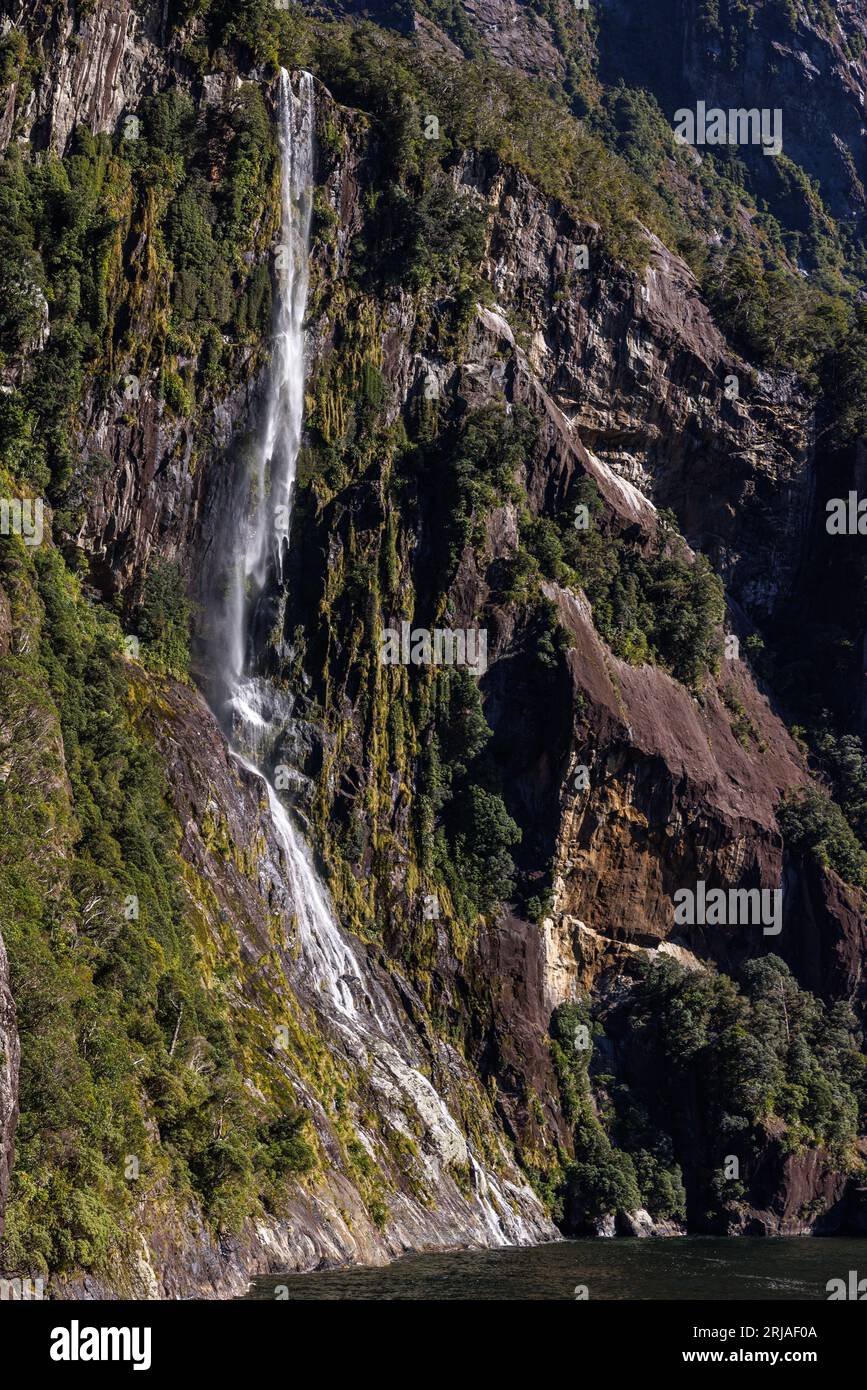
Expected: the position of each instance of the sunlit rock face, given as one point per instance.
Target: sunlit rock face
(419, 1042)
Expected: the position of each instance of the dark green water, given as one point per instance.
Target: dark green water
(692, 1268)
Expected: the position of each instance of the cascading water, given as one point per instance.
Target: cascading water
(252, 707)
(254, 711)
(265, 530)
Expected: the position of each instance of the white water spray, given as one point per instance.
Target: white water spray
(325, 957)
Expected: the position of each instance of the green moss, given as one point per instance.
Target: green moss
(123, 972)
(160, 616)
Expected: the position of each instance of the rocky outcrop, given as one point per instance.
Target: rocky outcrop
(806, 61)
(442, 1184)
(93, 68)
(173, 1254)
(632, 839)
(640, 372)
(149, 493)
(794, 1195)
(625, 378)
(641, 1225)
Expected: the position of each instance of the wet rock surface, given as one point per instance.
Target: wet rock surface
(443, 1193)
(10, 1053)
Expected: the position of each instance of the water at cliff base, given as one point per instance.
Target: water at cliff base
(693, 1268)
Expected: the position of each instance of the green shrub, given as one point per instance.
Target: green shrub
(751, 1056)
(162, 617)
(465, 830)
(657, 606)
(475, 858)
(812, 824)
(176, 394)
(110, 999)
(600, 1179)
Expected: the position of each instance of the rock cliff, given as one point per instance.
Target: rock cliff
(488, 353)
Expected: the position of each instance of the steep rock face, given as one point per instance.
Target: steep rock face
(93, 72)
(149, 497)
(146, 497)
(676, 798)
(432, 1183)
(659, 747)
(9, 1060)
(140, 465)
(640, 370)
(624, 378)
(139, 481)
(786, 1189)
(643, 714)
(634, 370)
(811, 67)
(806, 61)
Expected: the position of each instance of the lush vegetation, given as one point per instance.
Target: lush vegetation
(750, 1054)
(813, 825)
(142, 258)
(749, 260)
(606, 1177)
(463, 823)
(711, 1068)
(479, 105)
(133, 1074)
(122, 1043)
(67, 275)
(425, 727)
(658, 605)
(162, 618)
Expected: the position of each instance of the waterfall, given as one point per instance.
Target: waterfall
(254, 711)
(252, 707)
(265, 535)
